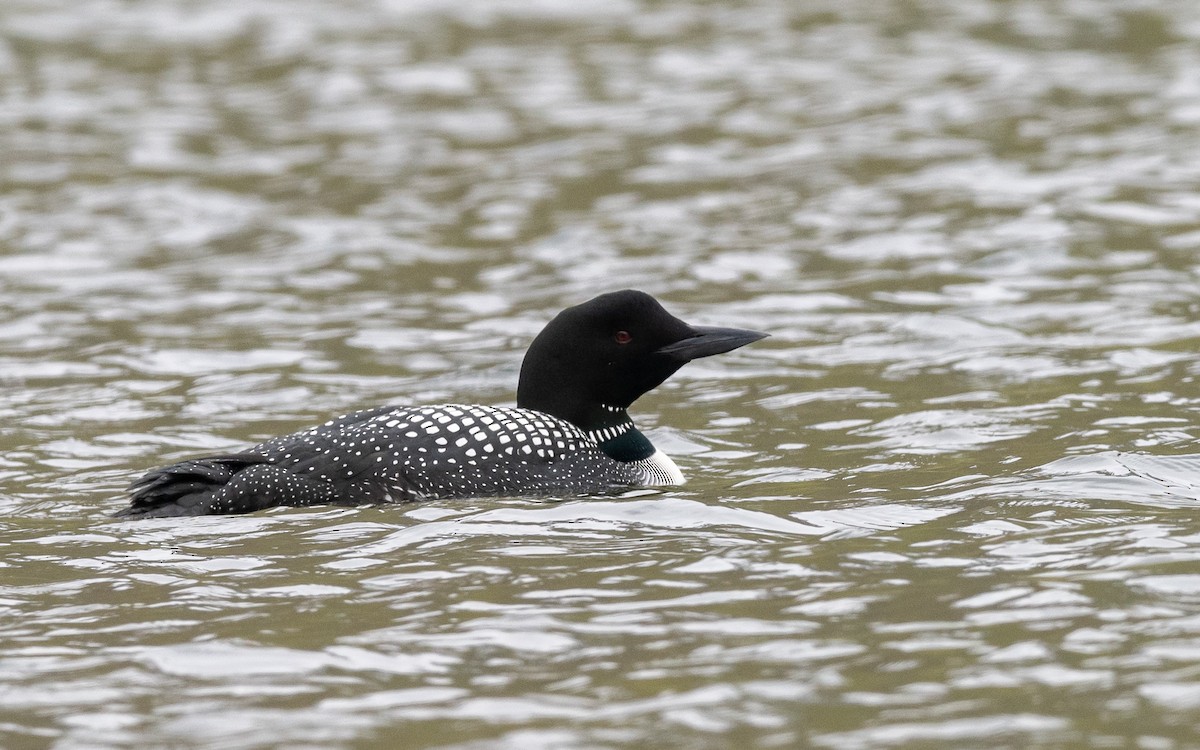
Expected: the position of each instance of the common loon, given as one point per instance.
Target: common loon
(570, 432)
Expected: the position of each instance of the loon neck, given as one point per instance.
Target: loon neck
(630, 445)
(615, 434)
(603, 422)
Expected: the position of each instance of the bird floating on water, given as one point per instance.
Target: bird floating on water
(570, 432)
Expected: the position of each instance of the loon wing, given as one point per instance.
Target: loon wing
(241, 482)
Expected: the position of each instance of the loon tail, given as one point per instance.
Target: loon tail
(186, 488)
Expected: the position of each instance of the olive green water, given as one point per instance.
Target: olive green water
(951, 503)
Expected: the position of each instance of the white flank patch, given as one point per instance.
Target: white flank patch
(660, 470)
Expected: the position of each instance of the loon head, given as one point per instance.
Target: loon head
(595, 359)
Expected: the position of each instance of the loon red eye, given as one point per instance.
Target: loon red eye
(622, 337)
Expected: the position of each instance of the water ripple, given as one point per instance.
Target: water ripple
(948, 503)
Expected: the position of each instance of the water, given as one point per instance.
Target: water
(950, 503)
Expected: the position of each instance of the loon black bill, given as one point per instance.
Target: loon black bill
(709, 340)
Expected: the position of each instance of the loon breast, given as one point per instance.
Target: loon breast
(659, 470)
